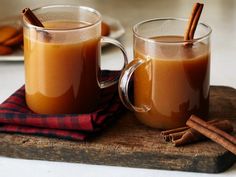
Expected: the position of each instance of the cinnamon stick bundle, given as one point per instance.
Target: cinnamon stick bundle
(198, 129)
(185, 135)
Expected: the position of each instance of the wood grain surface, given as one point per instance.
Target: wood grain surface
(131, 144)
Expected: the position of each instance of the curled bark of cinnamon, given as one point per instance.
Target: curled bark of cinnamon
(173, 132)
(192, 24)
(32, 19)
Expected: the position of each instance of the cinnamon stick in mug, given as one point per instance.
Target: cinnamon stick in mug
(192, 24)
(32, 19)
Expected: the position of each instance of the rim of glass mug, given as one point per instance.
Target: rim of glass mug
(136, 27)
(89, 9)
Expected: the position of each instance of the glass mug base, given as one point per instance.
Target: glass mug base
(174, 120)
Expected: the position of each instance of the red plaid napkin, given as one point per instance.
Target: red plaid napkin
(16, 117)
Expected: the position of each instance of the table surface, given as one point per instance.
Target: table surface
(219, 14)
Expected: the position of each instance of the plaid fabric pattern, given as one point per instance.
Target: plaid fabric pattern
(16, 117)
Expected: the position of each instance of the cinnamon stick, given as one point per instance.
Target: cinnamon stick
(192, 23)
(213, 133)
(195, 21)
(167, 133)
(188, 137)
(32, 19)
(175, 136)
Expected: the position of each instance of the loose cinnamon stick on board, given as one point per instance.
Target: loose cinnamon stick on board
(166, 134)
(193, 21)
(29, 15)
(220, 137)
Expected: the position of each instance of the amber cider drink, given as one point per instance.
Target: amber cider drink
(61, 76)
(174, 83)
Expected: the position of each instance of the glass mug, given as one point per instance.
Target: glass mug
(171, 79)
(62, 60)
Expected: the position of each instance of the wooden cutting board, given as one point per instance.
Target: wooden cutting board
(131, 144)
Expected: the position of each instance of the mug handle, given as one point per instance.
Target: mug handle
(113, 81)
(123, 85)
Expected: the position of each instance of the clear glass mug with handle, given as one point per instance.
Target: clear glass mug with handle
(62, 60)
(171, 79)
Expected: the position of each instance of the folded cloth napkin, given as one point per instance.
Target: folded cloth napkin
(16, 117)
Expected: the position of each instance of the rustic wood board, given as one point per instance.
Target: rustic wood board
(129, 143)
